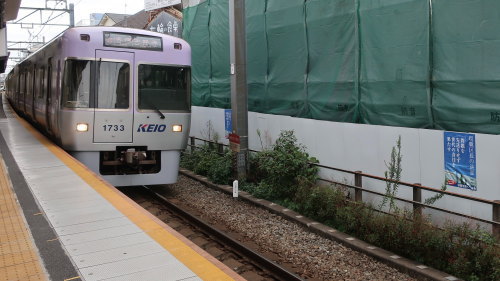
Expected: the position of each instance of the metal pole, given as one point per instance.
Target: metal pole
(237, 41)
(417, 197)
(496, 218)
(358, 181)
(71, 15)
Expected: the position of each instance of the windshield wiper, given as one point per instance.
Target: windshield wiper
(159, 112)
(154, 107)
(149, 103)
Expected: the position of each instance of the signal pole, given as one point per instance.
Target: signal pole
(239, 105)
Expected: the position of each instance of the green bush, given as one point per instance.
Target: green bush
(320, 202)
(207, 162)
(474, 254)
(285, 167)
(466, 252)
(220, 170)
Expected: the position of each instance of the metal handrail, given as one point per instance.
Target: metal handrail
(384, 179)
(412, 185)
(494, 204)
(413, 202)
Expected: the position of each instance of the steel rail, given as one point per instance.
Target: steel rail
(274, 268)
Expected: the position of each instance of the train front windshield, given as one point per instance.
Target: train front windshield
(164, 87)
(111, 83)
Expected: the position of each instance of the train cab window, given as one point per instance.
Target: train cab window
(76, 84)
(113, 89)
(164, 87)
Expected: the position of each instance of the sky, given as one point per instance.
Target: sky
(83, 9)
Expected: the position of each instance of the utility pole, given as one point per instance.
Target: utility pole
(239, 104)
(71, 15)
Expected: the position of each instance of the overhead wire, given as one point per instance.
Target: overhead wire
(49, 19)
(44, 24)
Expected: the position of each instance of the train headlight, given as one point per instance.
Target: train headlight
(82, 127)
(177, 128)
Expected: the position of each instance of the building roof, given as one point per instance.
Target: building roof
(138, 20)
(115, 18)
(142, 18)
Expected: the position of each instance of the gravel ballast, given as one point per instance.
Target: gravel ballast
(314, 256)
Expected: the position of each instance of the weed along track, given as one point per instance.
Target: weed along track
(309, 255)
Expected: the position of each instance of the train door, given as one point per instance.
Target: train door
(113, 99)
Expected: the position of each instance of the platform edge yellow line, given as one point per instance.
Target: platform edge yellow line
(177, 246)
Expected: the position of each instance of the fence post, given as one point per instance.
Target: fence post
(417, 197)
(220, 148)
(358, 181)
(192, 143)
(496, 218)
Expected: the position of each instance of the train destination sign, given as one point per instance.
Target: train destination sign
(132, 41)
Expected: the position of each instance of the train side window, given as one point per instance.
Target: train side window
(113, 89)
(76, 84)
(49, 77)
(29, 84)
(34, 78)
(41, 81)
(22, 85)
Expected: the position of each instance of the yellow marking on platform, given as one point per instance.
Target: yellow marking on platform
(200, 262)
(77, 277)
(18, 257)
(37, 214)
(52, 240)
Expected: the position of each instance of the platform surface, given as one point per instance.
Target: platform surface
(74, 217)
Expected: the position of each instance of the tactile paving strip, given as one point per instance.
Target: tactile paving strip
(18, 258)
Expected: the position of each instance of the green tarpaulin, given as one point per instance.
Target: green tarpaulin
(466, 65)
(409, 63)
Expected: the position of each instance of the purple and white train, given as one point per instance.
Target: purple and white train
(117, 99)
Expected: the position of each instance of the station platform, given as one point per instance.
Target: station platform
(60, 221)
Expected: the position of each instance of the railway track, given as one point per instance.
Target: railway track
(237, 255)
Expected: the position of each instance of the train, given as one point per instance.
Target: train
(116, 99)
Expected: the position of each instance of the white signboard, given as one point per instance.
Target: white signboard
(157, 4)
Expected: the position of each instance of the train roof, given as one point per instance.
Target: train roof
(97, 31)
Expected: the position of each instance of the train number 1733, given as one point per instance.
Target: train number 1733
(114, 128)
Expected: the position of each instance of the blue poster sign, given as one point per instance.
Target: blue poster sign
(460, 160)
(228, 123)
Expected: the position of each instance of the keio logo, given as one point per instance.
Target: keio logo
(151, 128)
